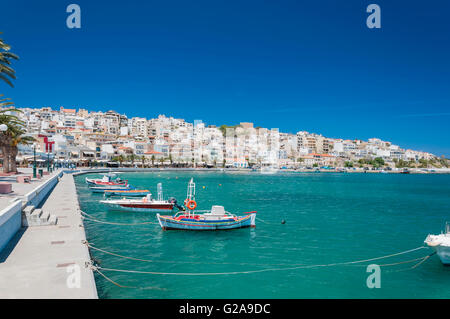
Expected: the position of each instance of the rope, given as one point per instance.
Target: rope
(424, 259)
(181, 262)
(119, 224)
(91, 218)
(225, 263)
(122, 286)
(268, 269)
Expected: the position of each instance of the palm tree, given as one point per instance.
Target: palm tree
(153, 160)
(17, 138)
(15, 128)
(7, 73)
(143, 161)
(131, 158)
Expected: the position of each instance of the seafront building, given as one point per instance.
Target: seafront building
(85, 138)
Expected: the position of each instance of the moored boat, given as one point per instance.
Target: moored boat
(215, 219)
(105, 181)
(127, 193)
(145, 204)
(441, 245)
(103, 188)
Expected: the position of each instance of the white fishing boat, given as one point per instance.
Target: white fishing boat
(441, 244)
(268, 169)
(144, 204)
(103, 188)
(107, 180)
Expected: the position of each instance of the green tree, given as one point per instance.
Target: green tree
(348, 164)
(7, 73)
(153, 160)
(8, 139)
(18, 137)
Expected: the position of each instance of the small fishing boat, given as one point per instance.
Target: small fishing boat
(441, 244)
(268, 168)
(103, 188)
(215, 219)
(127, 193)
(105, 181)
(145, 204)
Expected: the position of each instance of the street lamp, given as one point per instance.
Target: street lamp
(34, 160)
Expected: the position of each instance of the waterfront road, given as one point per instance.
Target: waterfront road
(49, 261)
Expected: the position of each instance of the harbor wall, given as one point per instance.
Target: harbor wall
(10, 222)
(37, 195)
(11, 216)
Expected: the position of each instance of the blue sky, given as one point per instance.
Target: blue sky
(292, 65)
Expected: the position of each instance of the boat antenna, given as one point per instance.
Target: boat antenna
(160, 191)
(191, 190)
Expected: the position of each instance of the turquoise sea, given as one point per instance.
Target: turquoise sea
(330, 218)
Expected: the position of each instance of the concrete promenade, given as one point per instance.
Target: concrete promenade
(49, 261)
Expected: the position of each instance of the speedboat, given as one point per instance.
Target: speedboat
(268, 169)
(441, 244)
(144, 204)
(127, 193)
(105, 181)
(215, 219)
(104, 188)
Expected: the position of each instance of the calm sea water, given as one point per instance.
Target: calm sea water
(330, 218)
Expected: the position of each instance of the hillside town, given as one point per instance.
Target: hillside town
(87, 138)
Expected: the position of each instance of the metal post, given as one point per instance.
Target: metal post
(34, 162)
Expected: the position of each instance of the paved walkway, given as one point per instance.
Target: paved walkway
(20, 189)
(37, 262)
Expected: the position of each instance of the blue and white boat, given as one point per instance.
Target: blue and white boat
(102, 189)
(215, 219)
(128, 193)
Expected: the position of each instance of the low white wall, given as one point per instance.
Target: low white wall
(36, 196)
(10, 222)
(11, 216)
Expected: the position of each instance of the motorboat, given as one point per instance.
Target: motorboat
(268, 169)
(106, 180)
(441, 244)
(104, 188)
(127, 193)
(144, 204)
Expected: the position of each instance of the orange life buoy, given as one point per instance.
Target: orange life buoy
(191, 204)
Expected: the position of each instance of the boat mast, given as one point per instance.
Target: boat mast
(190, 192)
(160, 192)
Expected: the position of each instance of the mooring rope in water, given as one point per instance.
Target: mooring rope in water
(123, 286)
(86, 216)
(270, 269)
(90, 245)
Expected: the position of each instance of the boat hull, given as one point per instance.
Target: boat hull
(144, 208)
(99, 182)
(169, 223)
(103, 189)
(444, 254)
(126, 193)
